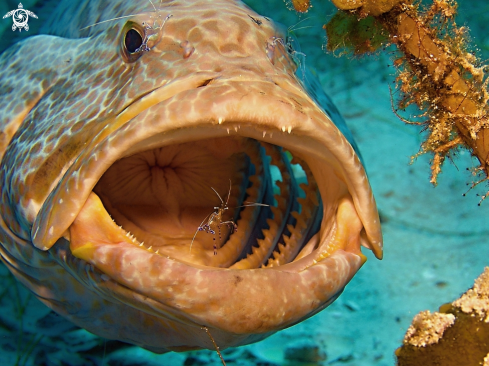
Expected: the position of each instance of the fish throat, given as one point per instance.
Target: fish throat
(160, 197)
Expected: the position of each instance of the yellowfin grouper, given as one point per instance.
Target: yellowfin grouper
(114, 135)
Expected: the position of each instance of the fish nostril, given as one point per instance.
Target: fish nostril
(205, 83)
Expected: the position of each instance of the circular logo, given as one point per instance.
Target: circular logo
(20, 17)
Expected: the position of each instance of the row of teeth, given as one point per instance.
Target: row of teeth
(140, 244)
(284, 129)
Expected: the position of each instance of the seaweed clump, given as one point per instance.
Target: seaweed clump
(437, 72)
(349, 34)
(439, 75)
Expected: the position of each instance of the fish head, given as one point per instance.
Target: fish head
(176, 169)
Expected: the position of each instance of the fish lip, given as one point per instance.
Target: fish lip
(309, 135)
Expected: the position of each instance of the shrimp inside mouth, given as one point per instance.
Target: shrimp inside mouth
(158, 198)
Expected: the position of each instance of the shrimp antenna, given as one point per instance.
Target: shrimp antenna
(296, 29)
(292, 27)
(218, 195)
(117, 18)
(229, 192)
(154, 7)
(110, 20)
(254, 204)
(198, 231)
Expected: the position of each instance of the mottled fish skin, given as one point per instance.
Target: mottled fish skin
(71, 105)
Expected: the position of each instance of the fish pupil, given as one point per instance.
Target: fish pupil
(133, 40)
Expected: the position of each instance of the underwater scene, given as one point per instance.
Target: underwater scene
(280, 124)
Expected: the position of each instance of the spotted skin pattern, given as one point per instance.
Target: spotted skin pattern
(71, 105)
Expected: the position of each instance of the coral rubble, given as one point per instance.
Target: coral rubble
(457, 335)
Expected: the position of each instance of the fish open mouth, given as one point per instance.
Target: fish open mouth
(164, 202)
(162, 199)
(192, 203)
(268, 212)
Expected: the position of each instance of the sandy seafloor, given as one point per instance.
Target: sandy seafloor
(435, 239)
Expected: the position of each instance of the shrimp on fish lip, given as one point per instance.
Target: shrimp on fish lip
(107, 162)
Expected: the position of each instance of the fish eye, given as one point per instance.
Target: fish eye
(132, 42)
